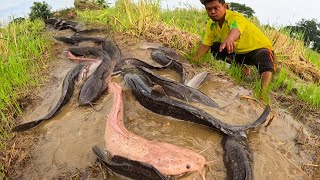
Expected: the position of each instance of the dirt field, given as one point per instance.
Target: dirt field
(61, 147)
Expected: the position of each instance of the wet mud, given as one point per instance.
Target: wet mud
(62, 146)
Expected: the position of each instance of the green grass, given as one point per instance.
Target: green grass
(22, 58)
(314, 58)
(309, 93)
(190, 20)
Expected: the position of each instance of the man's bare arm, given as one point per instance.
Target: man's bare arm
(201, 51)
(228, 43)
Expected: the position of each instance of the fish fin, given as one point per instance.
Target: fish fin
(197, 80)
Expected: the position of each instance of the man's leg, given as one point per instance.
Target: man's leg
(263, 60)
(266, 78)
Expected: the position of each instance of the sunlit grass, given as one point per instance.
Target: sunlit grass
(190, 20)
(22, 58)
(309, 93)
(183, 29)
(314, 57)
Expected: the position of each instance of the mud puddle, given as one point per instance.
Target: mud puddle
(63, 146)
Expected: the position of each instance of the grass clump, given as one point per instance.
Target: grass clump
(23, 56)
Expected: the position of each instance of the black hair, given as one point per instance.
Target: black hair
(204, 2)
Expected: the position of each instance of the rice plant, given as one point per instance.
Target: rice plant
(22, 48)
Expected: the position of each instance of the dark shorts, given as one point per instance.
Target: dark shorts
(262, 58)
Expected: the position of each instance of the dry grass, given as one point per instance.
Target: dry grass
(292, 54)
(172, 37)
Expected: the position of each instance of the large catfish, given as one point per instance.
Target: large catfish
(161, 104)
(67, 91)
(161, 58)
(179, 90)
(134, 62)
(127, 167)
(168, 159)
(237, 158)
(98, 81)
(75, 40)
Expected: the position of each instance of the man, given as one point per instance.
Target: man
(231, 36)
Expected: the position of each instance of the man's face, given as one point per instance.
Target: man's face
(216, 10)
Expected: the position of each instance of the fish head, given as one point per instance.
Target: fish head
(90, 91)
(177, 160)
(193, 164)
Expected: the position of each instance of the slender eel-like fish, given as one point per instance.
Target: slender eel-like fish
(62, 24)
(141, 88)
(111, 47)
(161, 58)
(67, 91)
(97, 82)
(167, 158)
(237, 158)
(179, 90)
(127, 62)
(129, 168)
(75, 40)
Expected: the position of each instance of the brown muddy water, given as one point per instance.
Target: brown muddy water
(64, 142)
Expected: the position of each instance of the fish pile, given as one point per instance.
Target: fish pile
(125, 152)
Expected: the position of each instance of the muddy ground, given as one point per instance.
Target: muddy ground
(61, 148)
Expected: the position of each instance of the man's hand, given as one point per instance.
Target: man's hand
(201, 51)
(229, 42)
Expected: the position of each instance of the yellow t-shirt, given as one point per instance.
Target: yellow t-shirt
(251, 37)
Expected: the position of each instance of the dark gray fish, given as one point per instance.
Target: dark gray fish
(98, 81)
(129, 168)
(167, 51)
(134, 62)
(69, 23)
(67, 40)
(67, 91)
(112, 49)
(75, 40)
(179, 90)
(67, 26)
(237, 158)
(170, 53)
(89, 31)
(52, 21)
(87, 50)
(61, 24)
(88, 38)
(161, 58)
(141, 88)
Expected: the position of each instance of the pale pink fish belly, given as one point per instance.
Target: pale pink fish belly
(79, 59)
(166, 158)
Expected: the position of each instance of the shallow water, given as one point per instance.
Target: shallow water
(66, 140)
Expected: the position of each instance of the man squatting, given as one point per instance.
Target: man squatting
(231, 36)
